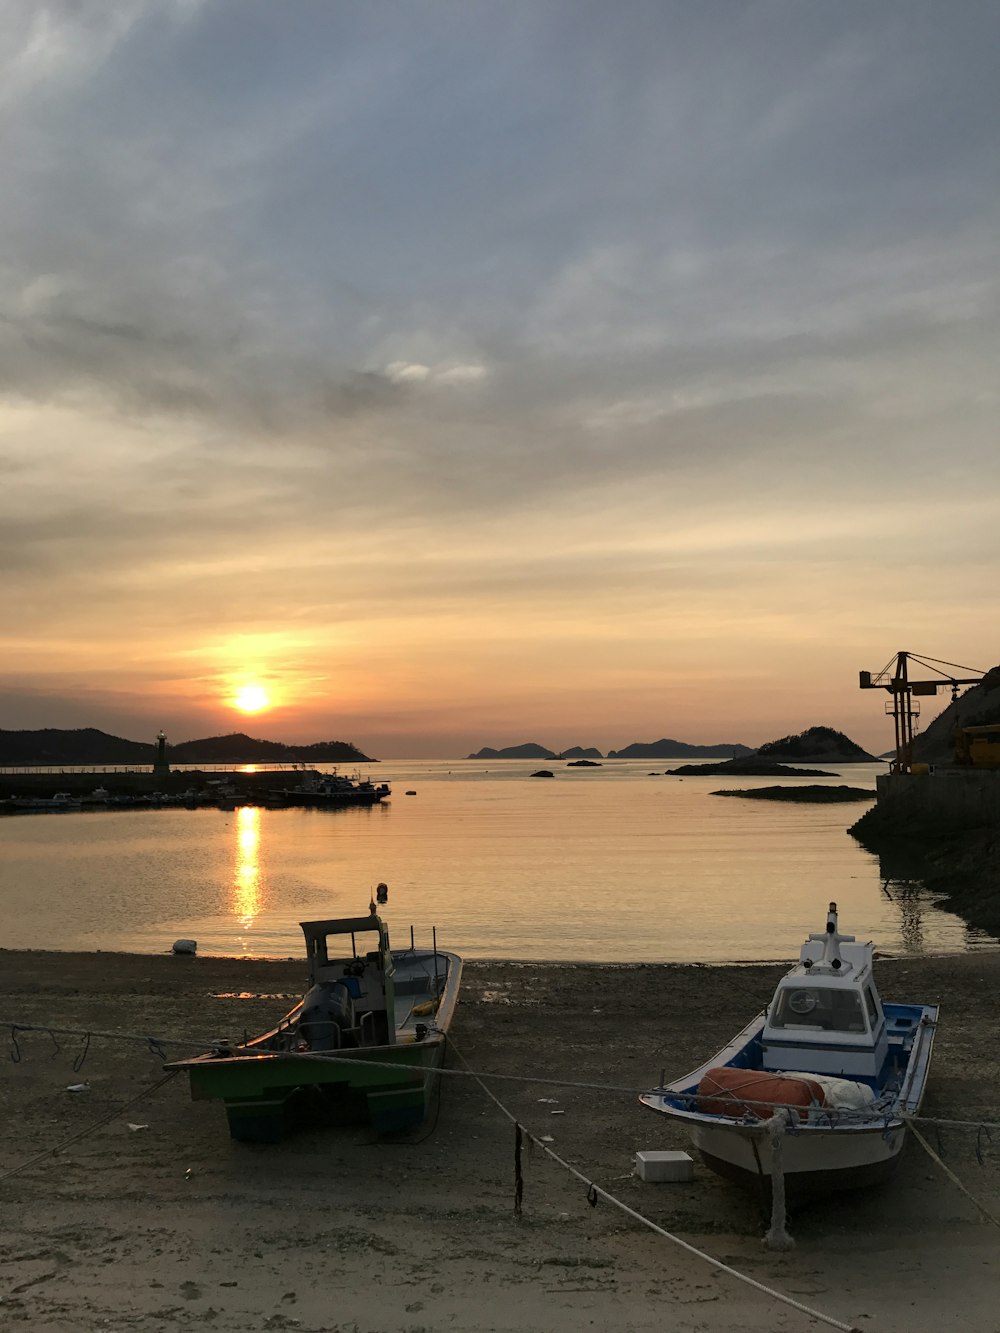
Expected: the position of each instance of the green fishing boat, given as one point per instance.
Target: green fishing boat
(365, 1041)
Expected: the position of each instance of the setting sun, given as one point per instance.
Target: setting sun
(252, 699)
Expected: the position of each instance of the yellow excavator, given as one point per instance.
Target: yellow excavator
(978, 747)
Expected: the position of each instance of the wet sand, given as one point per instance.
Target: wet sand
(173, 1226)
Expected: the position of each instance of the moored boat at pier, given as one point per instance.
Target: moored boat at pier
(333, 789)
(60, 800)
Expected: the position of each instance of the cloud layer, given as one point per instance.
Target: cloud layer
(494, 366)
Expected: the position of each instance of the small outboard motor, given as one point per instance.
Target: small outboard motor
(327, 1013)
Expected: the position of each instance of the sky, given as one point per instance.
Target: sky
(457, 373)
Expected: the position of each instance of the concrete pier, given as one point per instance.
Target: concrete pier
(946, 798)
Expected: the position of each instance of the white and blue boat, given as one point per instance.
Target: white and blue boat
(819, 1085)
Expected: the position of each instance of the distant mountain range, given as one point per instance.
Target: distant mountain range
(817, 745)
(654, 750)
(89, 746)
(520, 752)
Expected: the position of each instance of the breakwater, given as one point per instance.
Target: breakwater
(45, 783)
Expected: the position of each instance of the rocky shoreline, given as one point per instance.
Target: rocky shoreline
(959, 866)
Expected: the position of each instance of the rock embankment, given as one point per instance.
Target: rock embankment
(952, 858)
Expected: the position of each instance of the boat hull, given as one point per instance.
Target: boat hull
(324, 800)
(812, 1161)
(817, 1157)
(268, 1096)
(269, 1089)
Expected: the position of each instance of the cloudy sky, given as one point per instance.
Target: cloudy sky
(466, 372)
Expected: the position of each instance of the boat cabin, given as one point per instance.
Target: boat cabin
(826, 1015)
(351, 1001)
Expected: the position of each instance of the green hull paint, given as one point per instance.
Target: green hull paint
(267, 1095)
(281, 1080)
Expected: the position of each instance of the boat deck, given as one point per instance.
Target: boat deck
(421, 978)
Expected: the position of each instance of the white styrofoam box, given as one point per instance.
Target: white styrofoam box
(661, 1166)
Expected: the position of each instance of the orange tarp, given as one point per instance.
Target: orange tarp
(733, 1092)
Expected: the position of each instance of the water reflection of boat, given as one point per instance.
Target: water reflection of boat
(826, 1069)
(332, 789)
(365, 1041)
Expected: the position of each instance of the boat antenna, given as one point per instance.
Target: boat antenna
(831, 939)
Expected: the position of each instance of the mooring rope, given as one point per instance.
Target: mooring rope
(594, 1192)
(90, 1129)
(949, 1173)
(777, 1237)
(239, 1050)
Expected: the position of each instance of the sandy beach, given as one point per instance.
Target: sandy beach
(173, 1226)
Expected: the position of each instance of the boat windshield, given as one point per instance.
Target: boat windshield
(834, 1010)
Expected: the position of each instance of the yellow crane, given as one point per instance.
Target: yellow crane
(895, 677)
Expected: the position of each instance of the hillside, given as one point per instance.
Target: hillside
(975, 708)
(85, 745)
(51, 747)
(817, 745)
(239, 748)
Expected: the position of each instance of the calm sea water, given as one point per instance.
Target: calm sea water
(601, 864)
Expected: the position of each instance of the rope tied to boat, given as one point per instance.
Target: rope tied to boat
(92, 1128)
(935, 1157)
(777, 1237)
(597, 1192)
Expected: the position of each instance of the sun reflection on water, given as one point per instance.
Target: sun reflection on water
(246, 877)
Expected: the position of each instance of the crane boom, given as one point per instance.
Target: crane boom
(902, 689)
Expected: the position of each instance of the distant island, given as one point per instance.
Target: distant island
(528, 751)
(809, 795)
(818, 745)
(669, 749)
(532, 751)
(88, 746)
(664, 749)
(749, 766)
